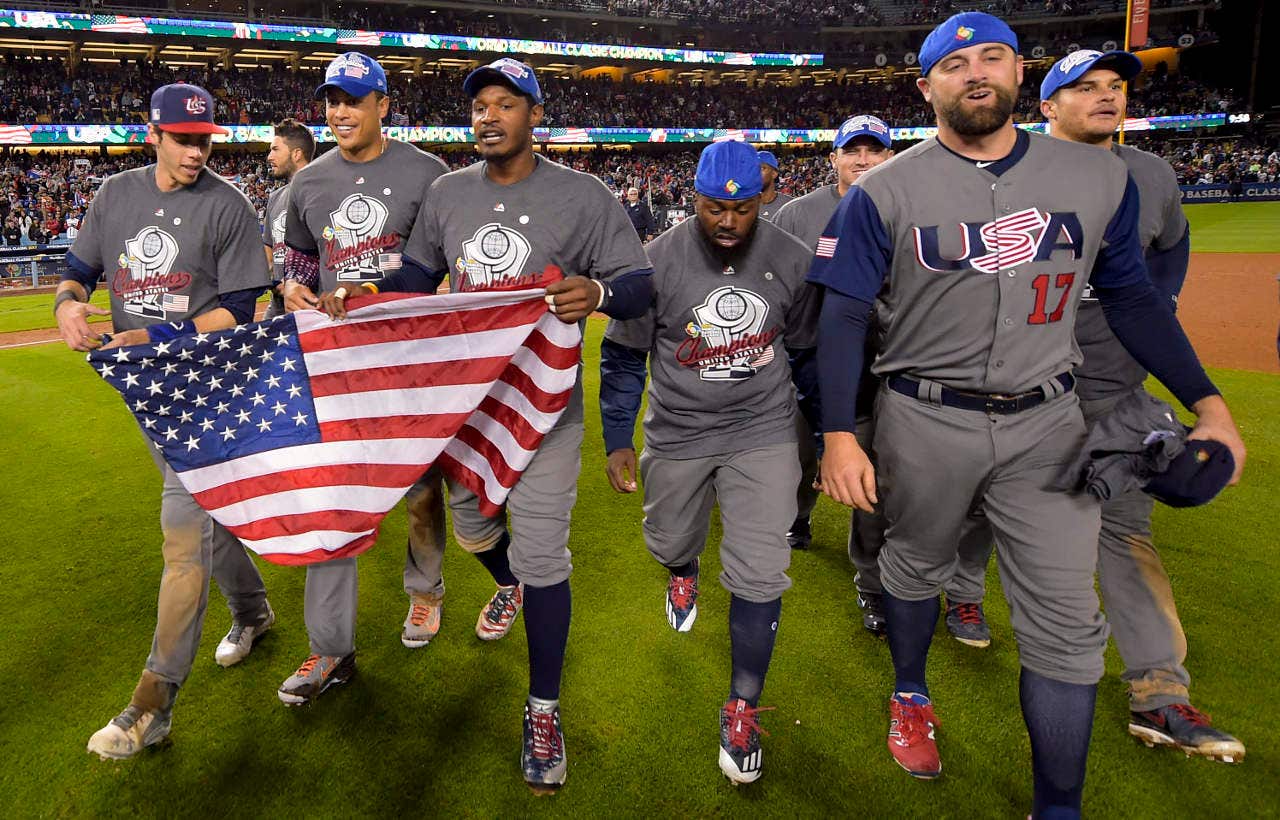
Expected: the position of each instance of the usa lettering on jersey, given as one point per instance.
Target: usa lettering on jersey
(1030, 235)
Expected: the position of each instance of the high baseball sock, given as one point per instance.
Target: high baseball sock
(752, 630)
(910, 626)
(546, 627)
(1059, 718)
(494, 559)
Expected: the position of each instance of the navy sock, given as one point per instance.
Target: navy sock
(910, 626)
(546, 626)
(495, 560)
(752, 630)
(684, 570)
(1059, 718)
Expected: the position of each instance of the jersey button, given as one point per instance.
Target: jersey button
(1000, 363)
(1012, 272)
(1007, 321)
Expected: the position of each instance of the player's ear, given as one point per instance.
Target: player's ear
(1048, 110)
(922, 83)
(536, 114)
(384, 106)
(1018, 58)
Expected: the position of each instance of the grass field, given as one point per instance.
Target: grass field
(437, 731)
(35, 311)
(1235, 227)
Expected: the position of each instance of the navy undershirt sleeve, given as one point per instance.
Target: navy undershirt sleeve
(1120, 259)
(804, 375)
(1141, 319)
(1168, 268)
(78, 271)
(630, 295)
(842, 335)
(411, 278)
(853, 253)
(240, 303)
(622, 375)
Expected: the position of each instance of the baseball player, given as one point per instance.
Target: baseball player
(180, 247)
(503, 222)
(292, 147)
(982, 278)
(730, 302)
(346, 219)
(771, 199)
(1083, 98)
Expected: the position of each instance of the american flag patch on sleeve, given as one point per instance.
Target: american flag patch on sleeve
(826, 247)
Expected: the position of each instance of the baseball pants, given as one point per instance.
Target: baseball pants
(331, 596)
(806, 494)
(1136, 593)
(936, 464)
(539, 508)
(756, 492)
(195, 548)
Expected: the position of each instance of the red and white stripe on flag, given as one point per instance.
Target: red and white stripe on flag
(826, 247)
(479, 377)
(14, 135)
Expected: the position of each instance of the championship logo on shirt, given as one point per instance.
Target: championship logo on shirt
(727, 340)
(494, 257)
(356, 248)
(144, 280)
(277, 238)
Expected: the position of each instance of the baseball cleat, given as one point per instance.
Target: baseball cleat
(968, 624)
(239, 642)
(872, 606)
(800, 536)
(741, 758)
(542, 759)
(316, 674)
(499, 615)
(423, 621)
(682, 600)
(911, 741)
(1186, 727)
(130, 732)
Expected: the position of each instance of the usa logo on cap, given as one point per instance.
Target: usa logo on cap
(195, 104)
(348, 66)
(513, 68)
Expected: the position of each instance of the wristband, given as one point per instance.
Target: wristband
(165, 331)
(605, 293)
(65, 296)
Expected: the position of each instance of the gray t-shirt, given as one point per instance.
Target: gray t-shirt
(489, 236)
(168, 255)
(717, 338)
(356, 215)
(806, 216)
(273, 224)
(770, 211)
(1108, 368)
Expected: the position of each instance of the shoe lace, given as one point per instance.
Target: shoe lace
(419, 614)
(308, 665)
(968, 613)
(236, 633)
(681, 590)
(502, 605)
(915, 721)
(1191, 713)
(546, 739)
(743, 723)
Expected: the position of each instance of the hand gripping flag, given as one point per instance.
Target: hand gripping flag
(300, 434)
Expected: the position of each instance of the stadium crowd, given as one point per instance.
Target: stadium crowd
(43, 195)
(94, 94)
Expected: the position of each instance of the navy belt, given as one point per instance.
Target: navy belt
(997, 403)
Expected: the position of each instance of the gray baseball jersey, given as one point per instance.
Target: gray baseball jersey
(488, 235)
(806, 216)
(273, 225)
(984, 275)
(1108, 369)
(770, 211)
(717, 337)
(356, 216)
(168, 255)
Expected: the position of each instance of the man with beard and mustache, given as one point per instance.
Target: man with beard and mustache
(771, 199)
(979, 242)
(292, 147)
(1083, 98)
(730, 307)
(516, 220)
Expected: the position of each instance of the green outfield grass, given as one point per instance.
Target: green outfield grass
(437, 731)
(34, 311)
(1235, 227)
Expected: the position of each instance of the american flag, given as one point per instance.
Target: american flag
(300, 434)
(826, 247)
(14, 135)
(356, 37)
(570, 135)
(731, 135)
(118, 24)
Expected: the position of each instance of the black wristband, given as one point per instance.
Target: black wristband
(64, 296)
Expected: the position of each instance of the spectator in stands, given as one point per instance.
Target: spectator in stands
(641, 217)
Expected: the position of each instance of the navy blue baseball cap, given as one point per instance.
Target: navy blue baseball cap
(505, 71)
(183, 109)
(1079, 63)
(1195, 477)
(728, 170)
(862, 125)
(767, 158)
(969, 28)
(355, 73)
